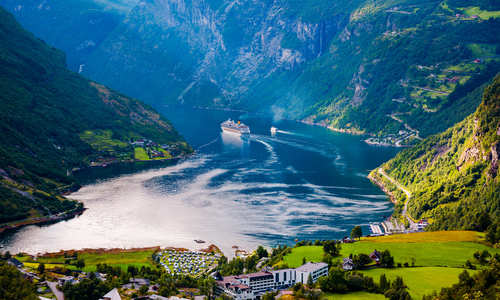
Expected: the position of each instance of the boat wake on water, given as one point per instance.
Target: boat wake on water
(260, 190)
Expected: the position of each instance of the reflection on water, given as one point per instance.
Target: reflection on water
(231, 141)
(304, 182)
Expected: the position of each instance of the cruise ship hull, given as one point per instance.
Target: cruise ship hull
(234, 131)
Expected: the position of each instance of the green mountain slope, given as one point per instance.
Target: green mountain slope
(453, 177)
(53, 120)
(396, 69)
(394, 63)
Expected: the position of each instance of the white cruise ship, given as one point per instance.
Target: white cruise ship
(235, 127)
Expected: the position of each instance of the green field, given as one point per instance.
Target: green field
(123, 259)
(441, 254)
(428, 249)
(354, 296)
(483, 14)
(141, 154)
(102, 140)
(420, 281)
(439, 258)
(311, 253)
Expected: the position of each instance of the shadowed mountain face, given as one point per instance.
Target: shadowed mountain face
(206, 53)
(378, 67)
(77, 27)
(53, 120)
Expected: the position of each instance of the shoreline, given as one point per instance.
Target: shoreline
(67, 215)
(42, 220)
(175, 160)
(210, 248)
(375, 181)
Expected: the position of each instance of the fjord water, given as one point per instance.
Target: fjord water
(305, 182)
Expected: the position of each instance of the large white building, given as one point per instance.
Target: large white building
(252, 286)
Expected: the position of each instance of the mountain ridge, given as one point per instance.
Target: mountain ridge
(349, 66)
(53, 121)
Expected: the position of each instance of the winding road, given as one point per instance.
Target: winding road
(408, 196)
(53, 287)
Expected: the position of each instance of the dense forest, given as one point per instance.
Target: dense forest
(46, 112)
(454, 177)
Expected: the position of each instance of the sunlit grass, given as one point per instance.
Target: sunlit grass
(140, 154)
(483, 14)
(122, 259)
(420, 281)
(443, 248)
(353, 296)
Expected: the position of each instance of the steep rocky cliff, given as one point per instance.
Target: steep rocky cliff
(207, 53)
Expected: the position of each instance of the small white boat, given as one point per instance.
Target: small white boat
(274, 130)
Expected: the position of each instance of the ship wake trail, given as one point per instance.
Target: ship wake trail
(293, 133)
(273, 157)
(208, 144)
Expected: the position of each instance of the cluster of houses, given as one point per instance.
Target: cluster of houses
(463, 16)
(191, 263)
(129, 288)
(348, 264)
(154, 150)
(391, 139)
(143, 143)
(252, 286)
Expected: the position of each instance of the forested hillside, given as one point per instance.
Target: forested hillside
(397, 69)
(53, 121)
(454, 177)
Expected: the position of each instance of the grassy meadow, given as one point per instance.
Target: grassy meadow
(483, 14)
(353, 296)
(439, 258)
(121, 258)
(421, 280)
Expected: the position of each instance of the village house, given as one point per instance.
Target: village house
(66, 279)
(135, 283)
(422, 224)
(375, 256)
(112, 295)
(347, 264)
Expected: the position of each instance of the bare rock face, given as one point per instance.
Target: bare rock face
(214, 49)
(494, 154)
(469, 155)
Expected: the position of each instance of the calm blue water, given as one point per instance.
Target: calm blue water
(305, 182)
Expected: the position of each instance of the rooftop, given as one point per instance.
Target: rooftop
(311, 267)
(112, 295)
